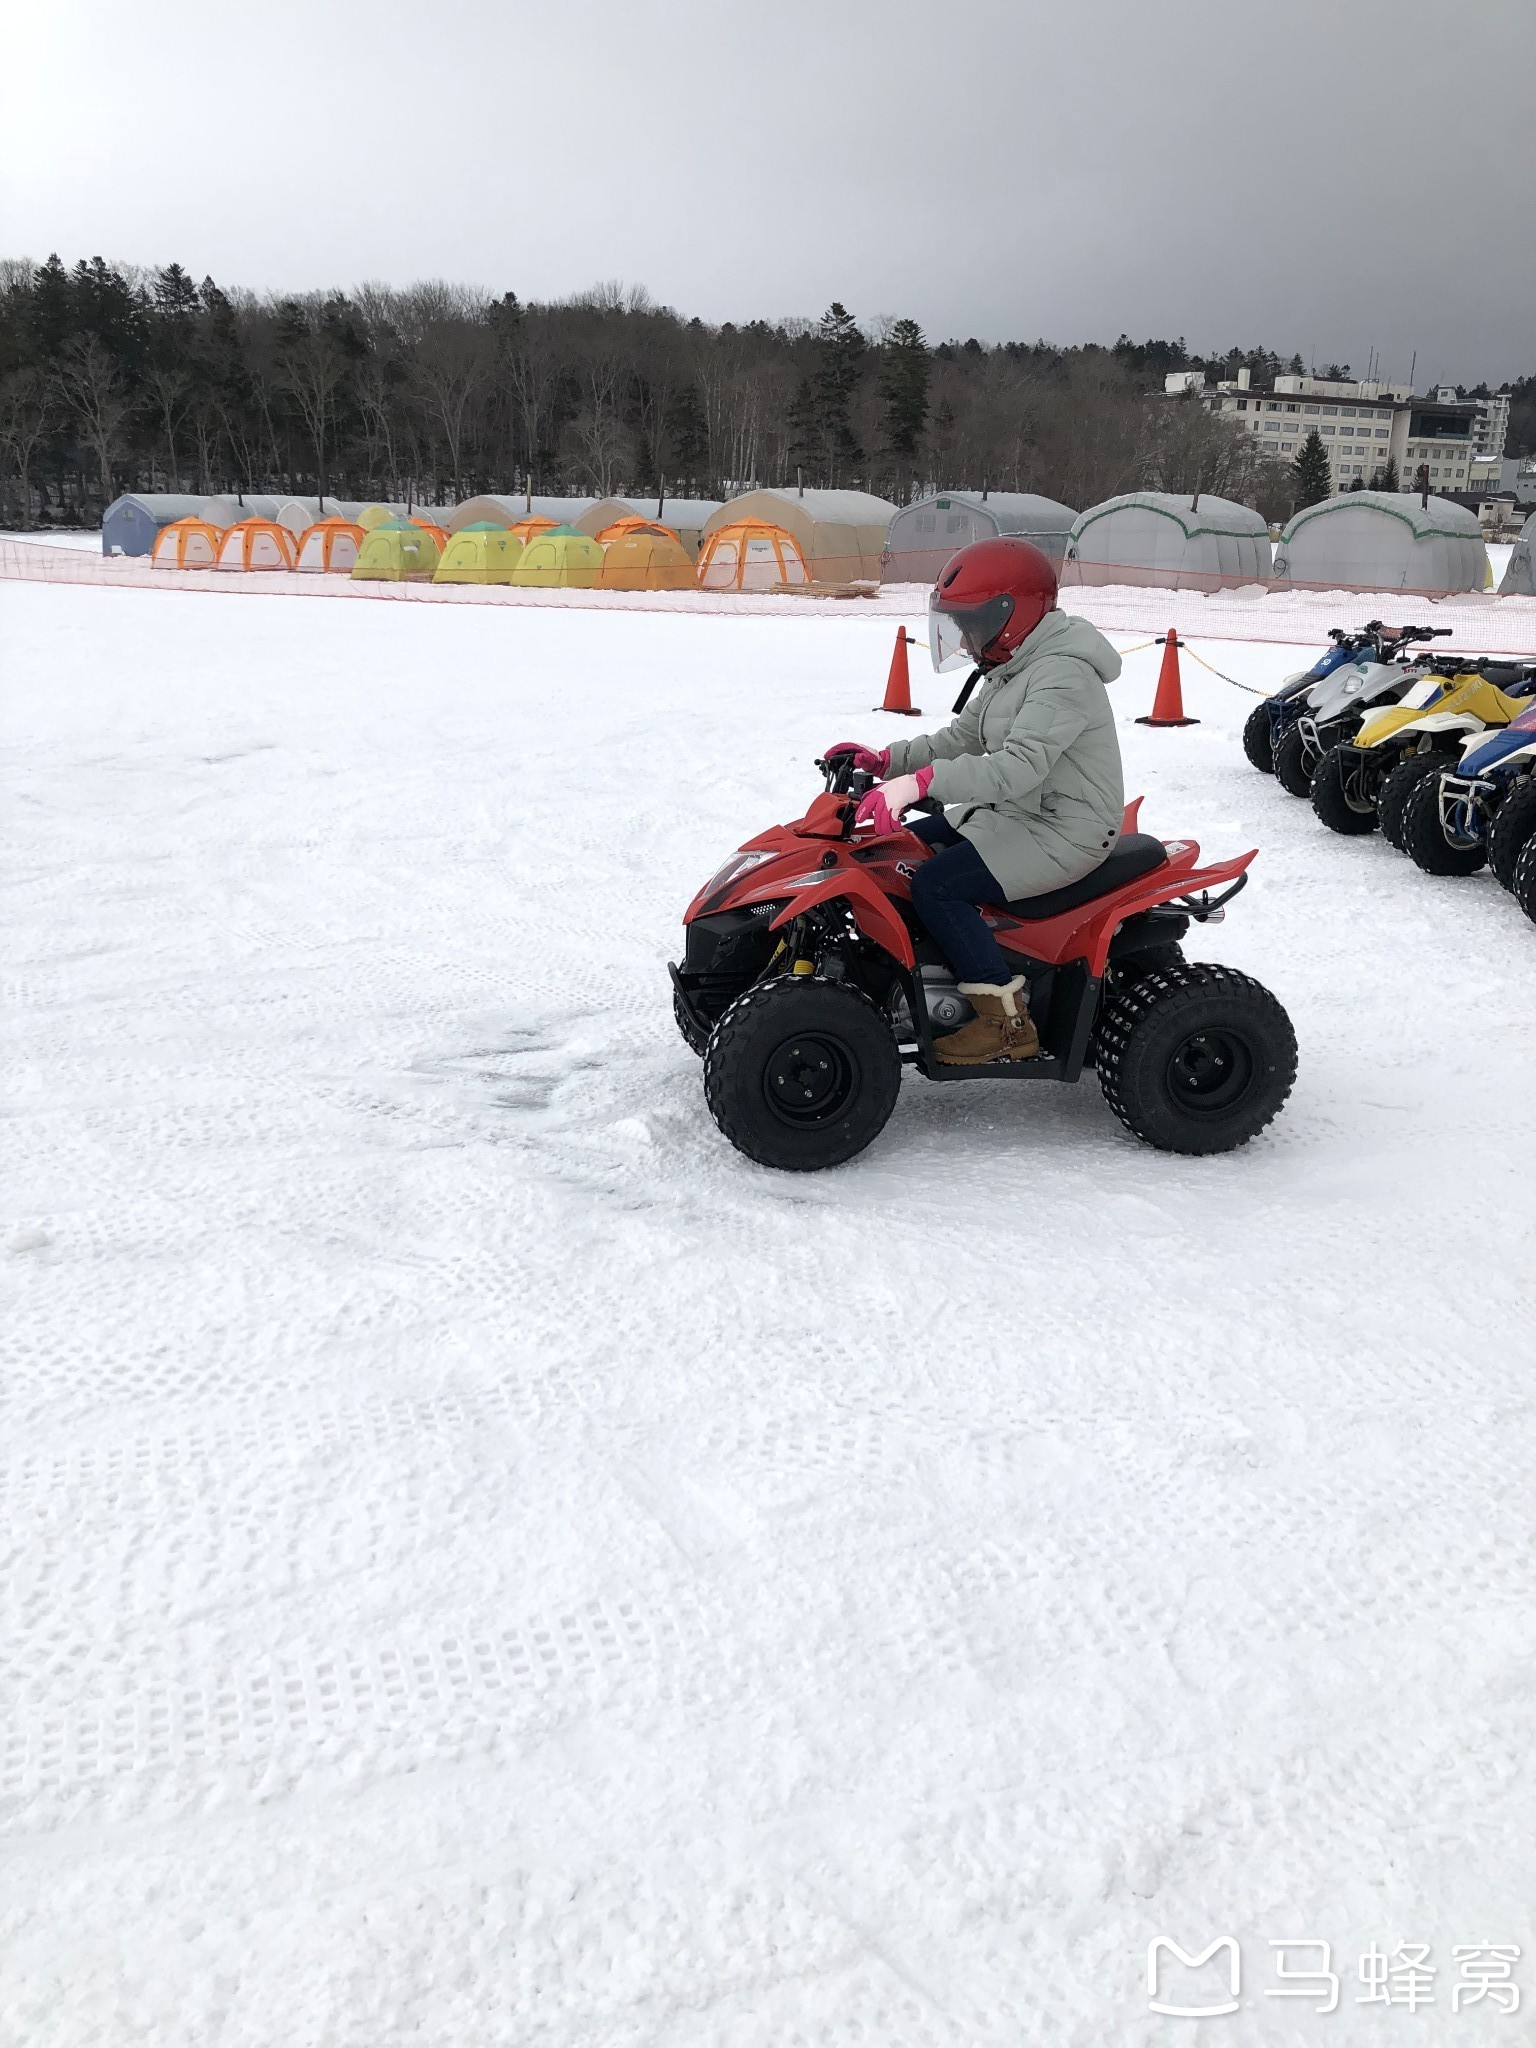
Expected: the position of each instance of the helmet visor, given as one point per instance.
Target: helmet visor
(959, 635)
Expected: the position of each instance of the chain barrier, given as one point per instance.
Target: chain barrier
(1247, 688)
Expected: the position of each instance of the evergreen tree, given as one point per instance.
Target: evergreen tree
(1309, 472)
(839, 359)
(904, 391)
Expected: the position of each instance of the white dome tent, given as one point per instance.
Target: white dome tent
(1382, 540)
(1519, 578)
(924, 534)
(1174, 541)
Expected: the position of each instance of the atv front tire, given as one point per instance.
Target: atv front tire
(1196, 1060)
(1424, 838)
(1257, 742)
(1514, 824)
(801, 1073)
(1525, 880)
(1332, 805)
(1293, 772)
(1400, 784)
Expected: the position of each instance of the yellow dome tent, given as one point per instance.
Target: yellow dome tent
(255, 544)
(479, 554)
(375, 515)
(559, 561)
(185, 544)
(648, 559)
(749, 554)
(330, 545)
(396, 553)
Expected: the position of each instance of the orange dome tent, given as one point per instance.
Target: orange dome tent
(185, 544)
(632, 524)
(528, 529)
(749, 554)
(329, 545)
(645, 558)
(256, 544)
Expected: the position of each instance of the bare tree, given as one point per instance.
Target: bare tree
(169, 385)
(450, 362)
(27, 398)
(98, 398)
(1191, 449)
(312, 365)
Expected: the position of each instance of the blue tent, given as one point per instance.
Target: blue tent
(130, 523)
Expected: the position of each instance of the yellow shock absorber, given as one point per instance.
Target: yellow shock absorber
(803, 967)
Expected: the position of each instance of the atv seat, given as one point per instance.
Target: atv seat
(1135, 854)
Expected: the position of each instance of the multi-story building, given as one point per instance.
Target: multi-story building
(1362, 427)
(1492, 425)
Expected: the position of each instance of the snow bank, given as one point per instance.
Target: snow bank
(485, 1564)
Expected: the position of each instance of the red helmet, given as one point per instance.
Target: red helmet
(989, 598)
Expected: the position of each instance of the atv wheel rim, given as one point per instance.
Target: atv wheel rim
(810, 1079)
(1210, 1072)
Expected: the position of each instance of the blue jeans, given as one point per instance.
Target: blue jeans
(945, 892)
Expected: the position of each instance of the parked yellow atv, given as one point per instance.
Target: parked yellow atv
(1366, 783)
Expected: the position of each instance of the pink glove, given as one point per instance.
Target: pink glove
(863, 757)
(885, 805)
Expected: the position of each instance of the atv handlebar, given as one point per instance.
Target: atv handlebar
(839, 777)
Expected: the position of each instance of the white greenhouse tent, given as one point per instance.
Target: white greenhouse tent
(493, 510)
(1382, 540)
(1170, 540)
(1519, 579)
(924, 534)
(840, 534)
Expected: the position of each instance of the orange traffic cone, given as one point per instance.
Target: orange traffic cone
(898, 684)
(1168, 704)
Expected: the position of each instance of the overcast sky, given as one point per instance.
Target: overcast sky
(1327, 176)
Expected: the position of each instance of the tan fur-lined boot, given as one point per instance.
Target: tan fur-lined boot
(1002, 1028)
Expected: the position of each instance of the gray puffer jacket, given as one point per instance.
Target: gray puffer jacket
(1030, 770)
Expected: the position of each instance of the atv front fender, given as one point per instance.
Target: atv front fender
(872, 912)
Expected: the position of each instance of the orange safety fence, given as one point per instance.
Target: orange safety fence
(1480, 623)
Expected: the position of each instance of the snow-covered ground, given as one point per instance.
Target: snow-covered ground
(484, 1564)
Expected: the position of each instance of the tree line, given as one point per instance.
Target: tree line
(114, 378)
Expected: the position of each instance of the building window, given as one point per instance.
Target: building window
(1242, 405)
(1293, 408)
(1286, 447)
(1329, 411)
(1309, 408)
(1346, 412)
(1330, 430)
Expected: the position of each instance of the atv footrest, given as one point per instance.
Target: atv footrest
(1043, 1069)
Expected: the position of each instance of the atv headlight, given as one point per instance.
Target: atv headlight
(738, 865)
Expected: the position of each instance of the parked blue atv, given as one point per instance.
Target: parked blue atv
(1375, 645)
(1482, 811)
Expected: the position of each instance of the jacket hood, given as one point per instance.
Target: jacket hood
(1061, 633)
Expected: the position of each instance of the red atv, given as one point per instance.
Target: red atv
(807, 984)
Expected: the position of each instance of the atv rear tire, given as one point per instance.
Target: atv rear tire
(1400, 784)
(1514, 824)
(1196, 1060)
(801, 1073)
(1424, 838)
(1525, 880)
(693, 1038)
(1331, 804)
(1257, 743)
(1292, 770)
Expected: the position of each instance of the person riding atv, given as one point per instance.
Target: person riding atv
(1030, 770)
